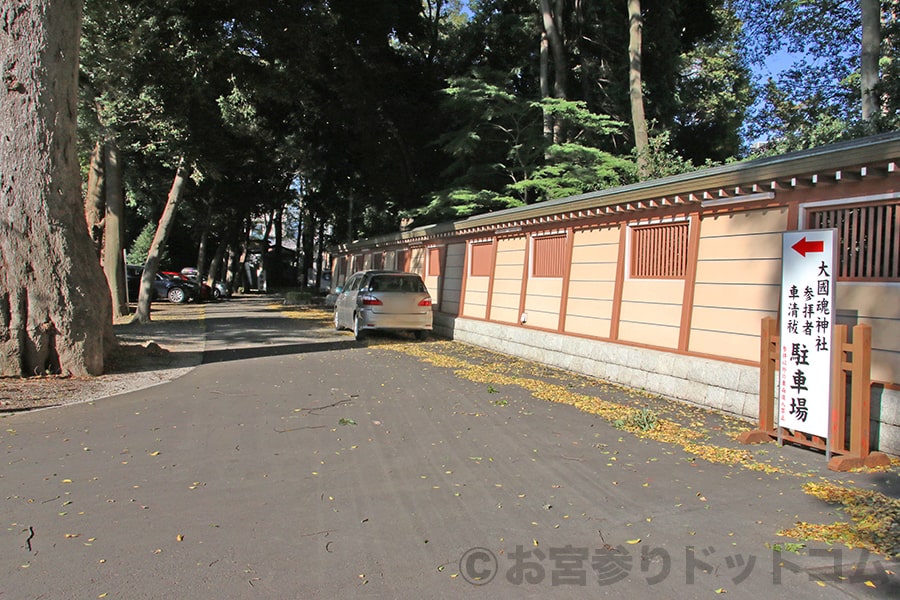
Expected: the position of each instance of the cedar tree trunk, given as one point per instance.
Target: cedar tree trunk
(55, 313)
(868, 64)
(114, 231)
(635, 89)
(151, 266)
(94, 200)
(552, 36)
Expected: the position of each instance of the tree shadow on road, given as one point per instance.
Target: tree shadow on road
(229, 354)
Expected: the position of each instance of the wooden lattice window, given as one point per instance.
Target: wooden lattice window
(378, 260)
(659, 251)
(434, 262)
(549, 256)
(482, 256)
(868, 239)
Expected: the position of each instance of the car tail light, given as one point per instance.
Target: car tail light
(425, 302)
(370, 301)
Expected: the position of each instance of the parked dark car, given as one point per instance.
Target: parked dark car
(217, 291)
(164, 286)
(204, 291)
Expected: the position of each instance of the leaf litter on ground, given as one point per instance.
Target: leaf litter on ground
(874, 518)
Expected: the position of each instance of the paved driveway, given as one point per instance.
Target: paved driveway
(297, 463)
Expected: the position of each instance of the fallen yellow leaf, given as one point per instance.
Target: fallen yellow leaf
(637, 541)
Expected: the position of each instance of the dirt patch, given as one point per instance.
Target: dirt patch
(147, 355)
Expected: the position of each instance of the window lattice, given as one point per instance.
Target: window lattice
(868, 239)
(659, 251)
(549, 256)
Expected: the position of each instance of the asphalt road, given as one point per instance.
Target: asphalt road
(297, 463)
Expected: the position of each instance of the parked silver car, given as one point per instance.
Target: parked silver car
(372, 300)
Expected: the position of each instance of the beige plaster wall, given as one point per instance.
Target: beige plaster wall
(417, 260)
(876, 305)
(651, 311)
(508, 279)
(476, 297)
(592, 281)
(542, 302)
(738, 281)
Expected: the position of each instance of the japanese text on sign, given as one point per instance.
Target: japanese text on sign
(807, 311)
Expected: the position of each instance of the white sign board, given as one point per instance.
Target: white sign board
(807, 321)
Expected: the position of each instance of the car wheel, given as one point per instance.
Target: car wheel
(217, 295)
(177, 295)
(421, 334)
(358, 332)
(337, 321)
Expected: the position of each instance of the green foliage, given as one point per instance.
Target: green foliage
(137, 254)
(789, 547)
(573, 169)
(448, 205)
(715, 94)
(643, 420)
(663, 160)
(404, 108)
(504, 159)
(817, 100)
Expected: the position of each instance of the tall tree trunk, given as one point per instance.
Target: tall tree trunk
(95, 199)
(552, 22)
(635, 87)
(55, 313)
(545, 85)
(582, 44)
(298, 252)
(202, 247)
(351, 234)
(320, 251)
(871, 51)
(114, 231)
(215, 266)
(309, 232)
(151, 266)
(275, 265)
(232, 268)
(244, 244)
(551, 19)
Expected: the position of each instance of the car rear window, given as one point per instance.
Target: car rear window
(396, 283)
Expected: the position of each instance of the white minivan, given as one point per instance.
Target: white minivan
(388, 300)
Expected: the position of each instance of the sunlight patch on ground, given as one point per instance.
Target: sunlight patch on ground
(874, 518)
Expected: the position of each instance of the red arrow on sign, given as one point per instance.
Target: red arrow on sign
(803, 246)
